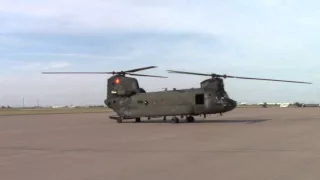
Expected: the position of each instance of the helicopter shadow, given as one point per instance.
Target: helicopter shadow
(244, 121)
(199, 121)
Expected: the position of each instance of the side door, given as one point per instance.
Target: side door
(199, 103)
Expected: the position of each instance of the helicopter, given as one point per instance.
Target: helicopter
(129, 101)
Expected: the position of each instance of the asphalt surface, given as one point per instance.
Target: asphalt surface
(246, 144)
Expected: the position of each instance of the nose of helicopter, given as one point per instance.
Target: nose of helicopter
(229, 104)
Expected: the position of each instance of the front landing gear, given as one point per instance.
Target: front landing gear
(138, 120)
(190, 119)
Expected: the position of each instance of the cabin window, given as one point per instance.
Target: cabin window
(200, 99)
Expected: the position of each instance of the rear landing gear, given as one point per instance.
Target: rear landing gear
(189, 119)
(175, 120)
(119, 120)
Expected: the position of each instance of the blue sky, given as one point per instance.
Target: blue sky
(259, 38)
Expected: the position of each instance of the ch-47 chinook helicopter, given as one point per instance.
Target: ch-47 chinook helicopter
(130, 101)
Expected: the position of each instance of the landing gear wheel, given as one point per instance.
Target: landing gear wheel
(175, 120)
(119, 120)
(190, 119)
(138, 120)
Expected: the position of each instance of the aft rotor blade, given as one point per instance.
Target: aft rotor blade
(263, 79)
(77, 72)
(133, 74)
(184, 72)
(140, 69)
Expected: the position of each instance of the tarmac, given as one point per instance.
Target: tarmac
(245, 144)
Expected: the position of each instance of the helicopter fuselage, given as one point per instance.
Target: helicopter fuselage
(171, 103)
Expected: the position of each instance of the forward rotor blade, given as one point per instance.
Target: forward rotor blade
(77, 72)
(133, 74)
(263, 79)
(238, 77)
(140, 69)
(184, 72)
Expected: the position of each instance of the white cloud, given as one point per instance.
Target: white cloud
(76, 55)
(119, 15)
(31, 66)
(256, 24)
(36, 66)
(275, 3)
(58, 65)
